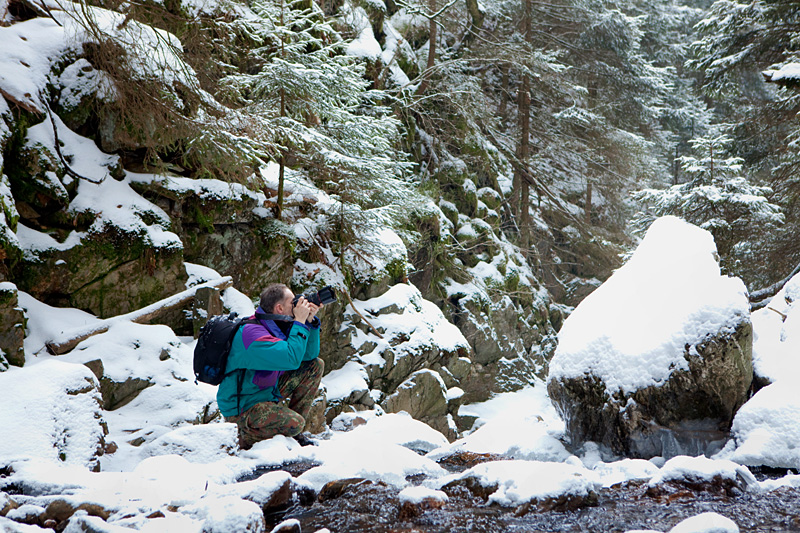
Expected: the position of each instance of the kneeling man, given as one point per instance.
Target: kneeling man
(274, 363)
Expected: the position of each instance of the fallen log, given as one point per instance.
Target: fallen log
(71, 338)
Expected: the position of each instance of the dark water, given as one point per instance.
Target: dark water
(365, 506)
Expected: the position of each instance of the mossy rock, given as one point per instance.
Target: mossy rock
(491, 198)
(203, 206)
(254, 255)
(106, 272)
(34, 173)
(458, 189)
(691, 410)
(77, 99)
(12, 326)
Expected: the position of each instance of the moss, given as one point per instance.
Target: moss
(201, 219)
(8, 297)
(397, 269)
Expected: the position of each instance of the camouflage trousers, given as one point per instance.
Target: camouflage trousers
(288, 417)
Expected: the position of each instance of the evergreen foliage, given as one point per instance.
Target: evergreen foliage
(719, 199)
(742, 44)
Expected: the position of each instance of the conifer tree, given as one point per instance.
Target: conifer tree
(718, 198)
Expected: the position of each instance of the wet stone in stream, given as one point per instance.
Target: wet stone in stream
(357, 505)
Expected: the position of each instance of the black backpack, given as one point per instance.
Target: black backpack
(213, 346)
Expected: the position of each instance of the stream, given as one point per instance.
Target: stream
(351, 506)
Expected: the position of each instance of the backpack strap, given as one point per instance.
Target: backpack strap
(241, 371)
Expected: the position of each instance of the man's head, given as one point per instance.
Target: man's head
(277, 298)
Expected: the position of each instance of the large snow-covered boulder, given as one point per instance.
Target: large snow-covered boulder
(659, 358)
(53, 413)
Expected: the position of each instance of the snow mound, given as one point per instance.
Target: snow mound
(701, 468)
(519, 482)
(55, 414)
(706, 523)
(776, 342)
(632, 331)
(767, 428)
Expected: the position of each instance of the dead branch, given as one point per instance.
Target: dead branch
(375, 331)
(758, 296)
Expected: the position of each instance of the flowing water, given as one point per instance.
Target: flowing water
(363, 506)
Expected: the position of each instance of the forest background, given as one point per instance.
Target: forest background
(539, 137)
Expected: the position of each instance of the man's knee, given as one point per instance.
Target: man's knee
(318, 366)
(293, 427)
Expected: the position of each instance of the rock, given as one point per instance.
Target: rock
(218, 227)
(337, 488)
(75, 436)
(6, 504)
(116, 393)
(108, 271)
(316, 421)
(506, 338)
(12, 326)
(689, 414)
(416, 500)
(423, 396)
(667, 378)
(207, 303)
(10, 251)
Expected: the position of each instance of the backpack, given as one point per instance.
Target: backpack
(213, 346)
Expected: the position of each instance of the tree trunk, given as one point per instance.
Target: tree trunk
(523, 150)
(588, 210)
(433, 30)
(477, 15)
(281, 161)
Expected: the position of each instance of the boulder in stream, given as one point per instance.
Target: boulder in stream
(658, 359)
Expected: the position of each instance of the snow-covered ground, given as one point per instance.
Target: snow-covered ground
(168, 463)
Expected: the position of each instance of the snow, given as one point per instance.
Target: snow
(167, 460)
(67, 426)
(536, 428)
(789, 71)
(776, 342)
(699, 469)
(519, 482)
(29, 50)
(706, 523)
(365, 44)
(766, 429)
(631, 331)
(419, 494)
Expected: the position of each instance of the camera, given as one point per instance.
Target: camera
(325, 295)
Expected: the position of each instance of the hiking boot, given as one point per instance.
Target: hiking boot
(304, 440)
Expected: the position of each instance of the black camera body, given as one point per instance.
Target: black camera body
(325, 295)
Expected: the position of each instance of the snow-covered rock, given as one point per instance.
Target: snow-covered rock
(52, 411)
(658, 359)
(532, 483)
(766, 429)
(706, 523)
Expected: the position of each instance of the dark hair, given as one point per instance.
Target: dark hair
(272, 295)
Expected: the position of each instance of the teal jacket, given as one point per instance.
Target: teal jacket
(264, 352)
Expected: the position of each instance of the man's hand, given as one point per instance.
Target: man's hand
(302, 309)
(314, 310)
